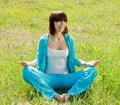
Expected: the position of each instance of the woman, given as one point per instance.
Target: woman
(56, 60)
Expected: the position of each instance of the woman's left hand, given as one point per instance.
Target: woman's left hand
(92, 63)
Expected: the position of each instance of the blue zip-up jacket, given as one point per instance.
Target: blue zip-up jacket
(41, 58)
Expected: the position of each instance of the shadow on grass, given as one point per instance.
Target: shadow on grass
(82, 96)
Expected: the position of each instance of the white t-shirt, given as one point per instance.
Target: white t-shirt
(57, 61)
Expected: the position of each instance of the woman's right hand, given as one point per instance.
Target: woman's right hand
(23, 63)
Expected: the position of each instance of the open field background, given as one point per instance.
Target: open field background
(95, 25)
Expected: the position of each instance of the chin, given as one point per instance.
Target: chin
(62, 30)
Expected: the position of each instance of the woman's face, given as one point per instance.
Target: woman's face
(60, 26)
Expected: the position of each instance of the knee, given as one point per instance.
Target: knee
(25, 69)
(25, 72)
(93, 69)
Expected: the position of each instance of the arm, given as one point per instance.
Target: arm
(90, 63)
(38, 57)
(77, 61)
(82, 62)
(25, 63)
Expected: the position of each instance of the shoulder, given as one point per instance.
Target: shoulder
(68, 37)
(44, 37)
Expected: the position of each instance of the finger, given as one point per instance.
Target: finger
(96, 63)
(97, 60)
(18, 62)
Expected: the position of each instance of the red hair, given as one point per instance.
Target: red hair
(55, 17)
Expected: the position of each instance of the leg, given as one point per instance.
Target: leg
(39, 81)
(85, 80)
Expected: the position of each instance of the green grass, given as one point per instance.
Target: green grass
(95, 25)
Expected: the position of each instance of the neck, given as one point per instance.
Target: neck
(57, 36)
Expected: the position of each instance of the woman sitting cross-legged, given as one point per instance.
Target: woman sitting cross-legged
(56, 60)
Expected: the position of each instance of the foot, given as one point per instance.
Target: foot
(59, 98)
(66, 96)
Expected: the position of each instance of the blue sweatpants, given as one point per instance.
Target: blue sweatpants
(46, 84)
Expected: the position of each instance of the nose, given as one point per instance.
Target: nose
(63, 22)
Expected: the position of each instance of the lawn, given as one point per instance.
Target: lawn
(95, 26)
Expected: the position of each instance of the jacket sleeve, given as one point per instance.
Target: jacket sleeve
(76, 60)
(39, 52)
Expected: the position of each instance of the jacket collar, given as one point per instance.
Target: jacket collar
(47, 36)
